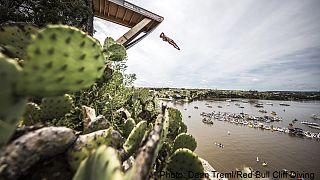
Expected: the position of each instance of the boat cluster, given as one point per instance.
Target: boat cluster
(258, 122)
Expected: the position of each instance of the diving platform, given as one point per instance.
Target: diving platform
(139, 20)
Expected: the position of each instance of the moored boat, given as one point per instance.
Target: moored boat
(284, 104)
(309, 123)
(314, 127)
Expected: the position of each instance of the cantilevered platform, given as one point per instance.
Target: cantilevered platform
(129, 15)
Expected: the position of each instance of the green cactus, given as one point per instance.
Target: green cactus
(184, 161)
(11, 106)
(117, 52)
(184, 140)
(113, 50)
(183, 128)
(55, 107)
(100, 165)
(129, 124)
(15, 37)
(88, 142)
(175, 119)
(135, 137)
(98, 123)
(109, 41)
(166, 125)
(32, 114)
(60, 59)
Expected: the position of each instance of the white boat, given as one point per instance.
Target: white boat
(280, 129)
(309, 123)
(314, 127)
(308, 134)
(284, 104)
(267, 128)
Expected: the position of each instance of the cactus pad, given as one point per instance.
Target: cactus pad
(60, 59)
(100, 165)
(15, 37)
(98, 123)
(135, 138)
(185, 161)
(32, 114)
(117, 52)
(129, 124)
(109, 41)
(175, 119)
(185, 140)
(11, 107)
(86, 143)
(55, 107)
(183, 128)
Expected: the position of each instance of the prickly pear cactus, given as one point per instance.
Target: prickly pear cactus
(109, 41)
(129, 124)
(183, 128)
(15, 37)
(100, 165)
(55, 107)
(60, 59)
(184, 140)
(175, 119)
(86, 143)
(184, 161)
(32, 114)
(11, 107)
(135, 137)
(98, 123)
(166, 125)
(117, 52)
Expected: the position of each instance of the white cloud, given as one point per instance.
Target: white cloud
(230, 44)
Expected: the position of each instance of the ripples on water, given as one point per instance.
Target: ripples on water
(244, 145)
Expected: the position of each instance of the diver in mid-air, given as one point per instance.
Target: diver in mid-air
(170, 41)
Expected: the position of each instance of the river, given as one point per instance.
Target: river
(243, 145)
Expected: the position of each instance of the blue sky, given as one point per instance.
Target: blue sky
(228, 44)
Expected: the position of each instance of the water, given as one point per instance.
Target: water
(244, 145)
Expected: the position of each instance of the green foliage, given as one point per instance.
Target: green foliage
(184, 140)
(100, 165)
(60, 59)
(184, 161)
(135, 137)
(55, 107)
(15, 37)
(74, 13)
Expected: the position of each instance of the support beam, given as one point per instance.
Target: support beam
(133, 32)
